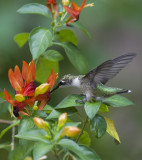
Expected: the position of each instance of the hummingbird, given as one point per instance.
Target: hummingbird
(93, 84)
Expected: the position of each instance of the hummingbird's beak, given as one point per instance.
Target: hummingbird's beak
(55, 88)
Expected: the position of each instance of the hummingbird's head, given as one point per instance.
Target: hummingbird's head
(66, 81)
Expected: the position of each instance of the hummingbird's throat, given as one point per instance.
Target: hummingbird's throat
(76, 82)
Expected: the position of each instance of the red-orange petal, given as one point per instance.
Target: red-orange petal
(52, 79)
(8, 98)
(31, 73)
(25, 69)
(15, 84)
(75, 6)
(82, 5)
(18, 76)
(72, 12)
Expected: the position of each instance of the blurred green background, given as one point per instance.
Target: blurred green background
(116, 29)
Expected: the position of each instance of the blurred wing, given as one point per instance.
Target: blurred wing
(108, 69)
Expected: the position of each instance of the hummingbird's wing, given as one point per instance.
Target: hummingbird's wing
(108, 69)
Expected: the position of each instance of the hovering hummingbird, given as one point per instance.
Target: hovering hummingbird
(93, 83)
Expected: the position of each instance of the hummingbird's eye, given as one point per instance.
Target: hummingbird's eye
(62, 82)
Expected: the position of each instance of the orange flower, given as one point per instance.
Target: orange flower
(53, 7)
(74, 12)
(42, 93)
(23, 84)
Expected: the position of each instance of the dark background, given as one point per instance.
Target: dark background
(116, 29)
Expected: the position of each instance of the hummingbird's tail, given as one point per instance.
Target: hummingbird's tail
(124, 91)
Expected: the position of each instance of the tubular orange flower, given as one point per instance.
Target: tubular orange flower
(53, 7)
(74, 12)
(70, 131)
(44, 98)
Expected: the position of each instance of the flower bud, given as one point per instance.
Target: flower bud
(62, 120)
(19, 97)
(40, 123)
(70, 131)
(65, 2)
(89, 5)
(35, 108)
(28, 158)
(60, 14)
(41, 89)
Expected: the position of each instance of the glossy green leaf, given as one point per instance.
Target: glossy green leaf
(40, 149)
(82, 28)
(103, 108)
(56, 113)
(34, 8)
(34, 135)
(98, 125)
(83, 152)
(75, 57)
(44, 68)
(66, 35)
(117, 101)
(111, 129)
(26, 123)
(21, 39)
(70, 101)
(53, 55)
(40, 114)
(85, 139)
(40, 39)
(9, 127)
(91, 108)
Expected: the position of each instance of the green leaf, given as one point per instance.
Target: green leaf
(56, 113)
(112, 130)
(85, 139)
(40, 149)
(40, 114)
(34, 8)
(82, 28)
(69, 101)
(34, 135)
(83, 152)
(21, 39)
(44, 68)
(26, 123)
(66, 35)
(91, 108)
(103, 108)
(9, 127)
(5, 145)
(98, 125)
(40, 39)
(16, 154)
(75, 57)
(117, 101)
(53, 55)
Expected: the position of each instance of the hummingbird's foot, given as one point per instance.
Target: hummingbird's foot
(82, 95)
(80, 101)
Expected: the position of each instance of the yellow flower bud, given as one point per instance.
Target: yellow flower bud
(60, 14)
(35, 108)
(41, 89)
(65, 2)
(70, 131)
(40, 123)
(19, 97)
(28, 158)
(62, 120)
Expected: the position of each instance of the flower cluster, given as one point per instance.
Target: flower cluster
(26, 93)
(73, 11)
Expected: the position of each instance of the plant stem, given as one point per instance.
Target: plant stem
(13, 134)
(5, 121)
(85, 122)
(56, 155)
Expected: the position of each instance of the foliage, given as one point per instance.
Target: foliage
(43, 128)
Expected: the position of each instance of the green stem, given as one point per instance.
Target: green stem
(85, 122)
(56, 155)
